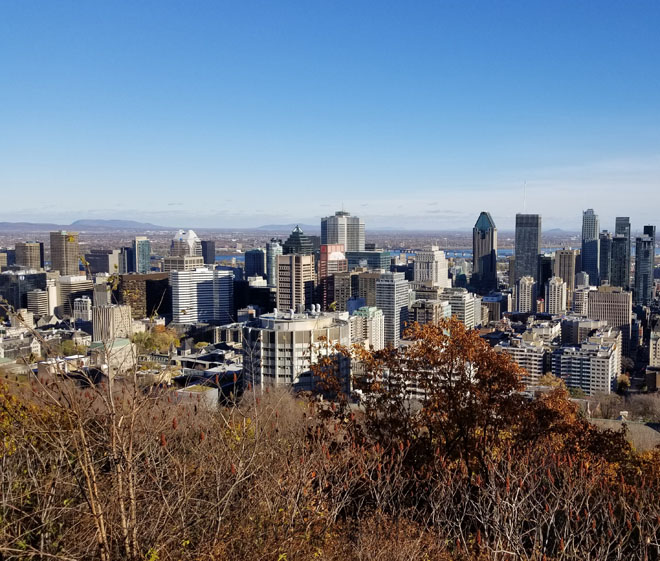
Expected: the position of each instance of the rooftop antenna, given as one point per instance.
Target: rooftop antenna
(525, 196)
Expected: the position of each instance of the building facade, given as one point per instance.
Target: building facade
(484, 252)
(65, 253)
(528, 246)
(342, 228)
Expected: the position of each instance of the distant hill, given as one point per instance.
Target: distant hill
(27, 227)
(80, 225)
(115, 225)
(289, 227)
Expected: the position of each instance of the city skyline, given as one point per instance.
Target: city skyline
(407, 117)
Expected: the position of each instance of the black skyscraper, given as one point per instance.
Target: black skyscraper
(528, 245)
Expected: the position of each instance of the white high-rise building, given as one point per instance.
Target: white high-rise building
(279, 348)
(528, 351)
(111, 322)
(592, 366)
(368, 328)
(342, 228)
(82, 309)
(392, 297)
(202, 295)
(465, 306)
(186, 243)
(37, 302)
(526, 295)
(431, 265)
(555, 296)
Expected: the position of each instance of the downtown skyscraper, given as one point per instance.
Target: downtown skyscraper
(620, 265)
(644, 264)
(65, 253)
(342, 228)
(591, 246)
(528, 246)
(484, 252)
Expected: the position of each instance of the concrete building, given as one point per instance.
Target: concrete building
(654, 346)
(529, 352)
(30, 255)
(497, 303)
(82, 309)
(202, 296)
(68, 289)
(111, 322)
(644, 265)
(186, 243)
(37, 302)
(392, 298)
(368, 328)
(581, 300)
(118, 356)
(564, 268)
(344, 229)
(346, 287)
(296, 280)
(465, 306)
(332, 261)
(555, 296)
(484, 251)
(367, 281)
(65, 253)
(182, 263)
(15, 286)
(526, 295)
(613, 305)
(528, 246)
(576, 329)
(103, 261)
(431, 265)
(429, 311)
(592, 366)
(279, 348)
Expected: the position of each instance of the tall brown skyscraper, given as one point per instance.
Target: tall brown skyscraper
(64, 252)
(30, 255)
(565, 263)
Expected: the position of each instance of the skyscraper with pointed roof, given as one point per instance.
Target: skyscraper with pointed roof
(298, 243)
(484, 252)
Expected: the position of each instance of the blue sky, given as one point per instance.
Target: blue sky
(411, 114)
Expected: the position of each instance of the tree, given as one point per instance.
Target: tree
(447, 390)
(623, 384)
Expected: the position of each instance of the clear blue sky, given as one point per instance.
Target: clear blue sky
(411, 114)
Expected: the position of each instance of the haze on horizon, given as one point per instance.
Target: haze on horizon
(239, 115)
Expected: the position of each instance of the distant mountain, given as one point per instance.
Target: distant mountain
(115, 225)
(27, 227)
(101, 225)
(289, 227)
